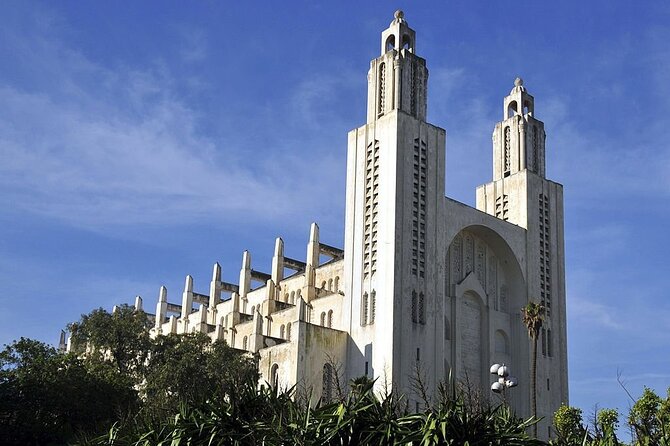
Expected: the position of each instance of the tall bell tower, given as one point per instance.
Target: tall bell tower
(395, 192)
(521, 194)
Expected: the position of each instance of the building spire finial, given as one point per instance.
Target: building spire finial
(398, 17)
(518, 82)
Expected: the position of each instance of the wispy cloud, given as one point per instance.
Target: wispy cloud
(103, 146)
(593, 314)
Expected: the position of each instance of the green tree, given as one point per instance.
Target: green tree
(47, 397)
(570, 429)
(646, 418)
(190, 369)
(533, 316)
(120, 338)
(607, 422)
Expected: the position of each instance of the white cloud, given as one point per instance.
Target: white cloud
(589, 313)
(97, 147)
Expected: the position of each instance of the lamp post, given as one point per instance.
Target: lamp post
(504, 382)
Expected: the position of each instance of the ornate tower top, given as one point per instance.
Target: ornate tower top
(519, 139)
(398, 35)
(518, 102)
(397, 78)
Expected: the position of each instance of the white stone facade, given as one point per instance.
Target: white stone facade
(424, 282)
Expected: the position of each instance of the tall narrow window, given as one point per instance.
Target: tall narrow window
(330, 319)
(382, 89)
(282, 329)
(327, 392)
(364, 309)
(323, 319)
(274, 375)
(422, 309)
(373, 304)
(288, 331)
(534, 163)
(412, 90)
(503, 298)
(414, 307)
(508, 155)
(244, 343)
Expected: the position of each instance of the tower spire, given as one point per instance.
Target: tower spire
(397, 78)
(518, 140)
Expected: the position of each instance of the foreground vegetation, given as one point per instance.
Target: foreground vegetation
(182, 389)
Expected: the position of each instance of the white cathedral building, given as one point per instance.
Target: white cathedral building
(423, 280)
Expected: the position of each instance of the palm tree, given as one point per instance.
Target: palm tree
(533, 314)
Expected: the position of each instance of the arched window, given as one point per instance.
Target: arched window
(512, 109)
(330, 284)
(330, 319)
(274, 375)
(373, 304)
(501, 342)
(390, 43)
(406, 42)
(293, 297)
(422, 309)
(269, 330)
(309, 313)
(286, 297)
(414, 307)
(364, 309)
(323, 319)
(323, 285)
(253, 310)
(232, 337)
(337, 283)
(244, 343)
(281, 331)
(288, 331)
(327, 392)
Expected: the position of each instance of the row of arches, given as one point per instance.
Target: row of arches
(406, 42)
(327, 319)
(332, 284)
(290, 298)
(328, 382)
(284, 333)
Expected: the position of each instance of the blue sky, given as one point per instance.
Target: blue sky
(144, 141)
